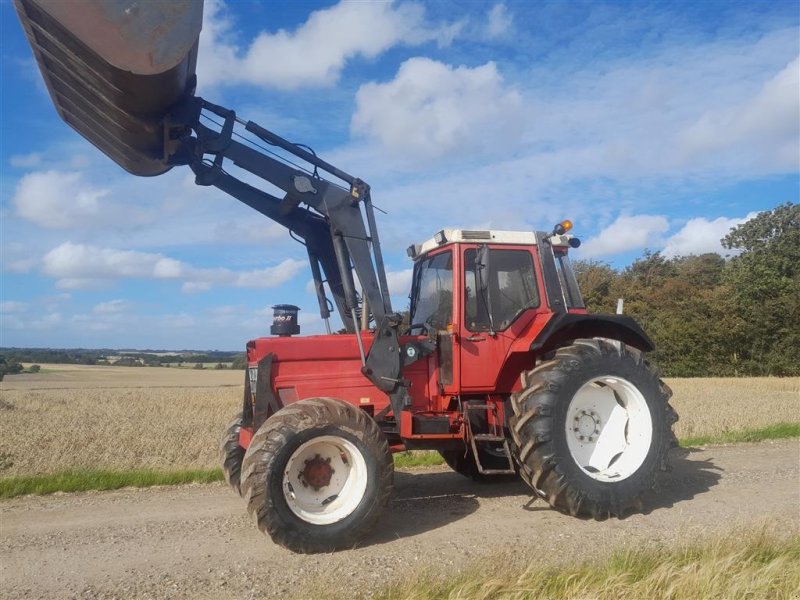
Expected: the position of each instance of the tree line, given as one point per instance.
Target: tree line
(11, 358)
(711, 315)
(708, 315)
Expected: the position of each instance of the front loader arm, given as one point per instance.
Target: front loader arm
(335, 231)
(332, 227)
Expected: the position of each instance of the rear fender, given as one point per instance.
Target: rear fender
(564, 328)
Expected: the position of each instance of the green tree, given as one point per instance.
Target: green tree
(239, 362)
(34, 369)
(596, 280)
(764, 279)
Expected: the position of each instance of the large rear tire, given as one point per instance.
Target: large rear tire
(593, 427)
(317, 475)
(232, 454)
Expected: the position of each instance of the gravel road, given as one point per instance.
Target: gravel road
(197, 541)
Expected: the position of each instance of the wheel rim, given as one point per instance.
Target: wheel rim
(325, 480)
(609, 428)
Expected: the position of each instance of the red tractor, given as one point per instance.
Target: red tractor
(499, 367)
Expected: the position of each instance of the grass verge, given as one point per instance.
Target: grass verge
(770, 432)
(85, 480)
(749, 563)
(99, 480)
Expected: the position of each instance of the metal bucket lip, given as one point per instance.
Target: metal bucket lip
(142, 38)
(116, 68)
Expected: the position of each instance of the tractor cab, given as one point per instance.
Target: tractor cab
(481, 292)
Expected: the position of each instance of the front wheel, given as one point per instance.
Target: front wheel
(317, 475)
(232, 454)
(593, 427)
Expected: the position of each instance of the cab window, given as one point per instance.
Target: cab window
(511, 289)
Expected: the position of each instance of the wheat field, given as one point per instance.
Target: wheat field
(83, 417)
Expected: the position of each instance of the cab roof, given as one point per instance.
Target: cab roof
(482, 236)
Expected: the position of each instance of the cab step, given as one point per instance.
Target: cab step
(476, 439)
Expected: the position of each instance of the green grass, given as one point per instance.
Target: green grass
(85, 480)
(417, 458)
(746, 563)
(770, 432)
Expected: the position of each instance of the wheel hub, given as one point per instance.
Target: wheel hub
(586, 425)
(325, 479)
(317, 472)
(609, 429)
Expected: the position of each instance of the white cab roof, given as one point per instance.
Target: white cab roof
(483, 236)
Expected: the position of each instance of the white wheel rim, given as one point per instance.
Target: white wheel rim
(325, 480)
(609, 428)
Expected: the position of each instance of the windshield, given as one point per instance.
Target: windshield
(432, 294)
(569, 284)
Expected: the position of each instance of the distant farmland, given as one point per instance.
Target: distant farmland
(88, 417)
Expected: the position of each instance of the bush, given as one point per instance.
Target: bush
(34, 369)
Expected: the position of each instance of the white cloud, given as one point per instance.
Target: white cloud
(11, 322)
(499, 20)
(11, 306)
(84, 262)
(399, 282)
(57, 199)
(112, 307)
(769, 121)
(315, 53)
(26, 161)
(65, 200)
(702, 235)
(430, 110)
(626, 233)
(266, 278)
(80, 265)
(16, 256)
(46, 322)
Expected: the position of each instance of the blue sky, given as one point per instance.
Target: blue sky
(655, 125)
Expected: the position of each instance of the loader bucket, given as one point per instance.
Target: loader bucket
(115, 68)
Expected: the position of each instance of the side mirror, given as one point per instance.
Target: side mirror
(482, 268)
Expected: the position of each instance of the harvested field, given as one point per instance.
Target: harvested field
(715, 405)
(82, 417)
(79, 417)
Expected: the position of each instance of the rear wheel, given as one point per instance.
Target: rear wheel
(317, 475)
(593, 427)
(232, 454)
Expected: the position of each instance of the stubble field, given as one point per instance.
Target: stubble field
(118, 418)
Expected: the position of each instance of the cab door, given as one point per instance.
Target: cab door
(493, 317)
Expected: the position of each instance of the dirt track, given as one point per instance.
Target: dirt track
(197, 541)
